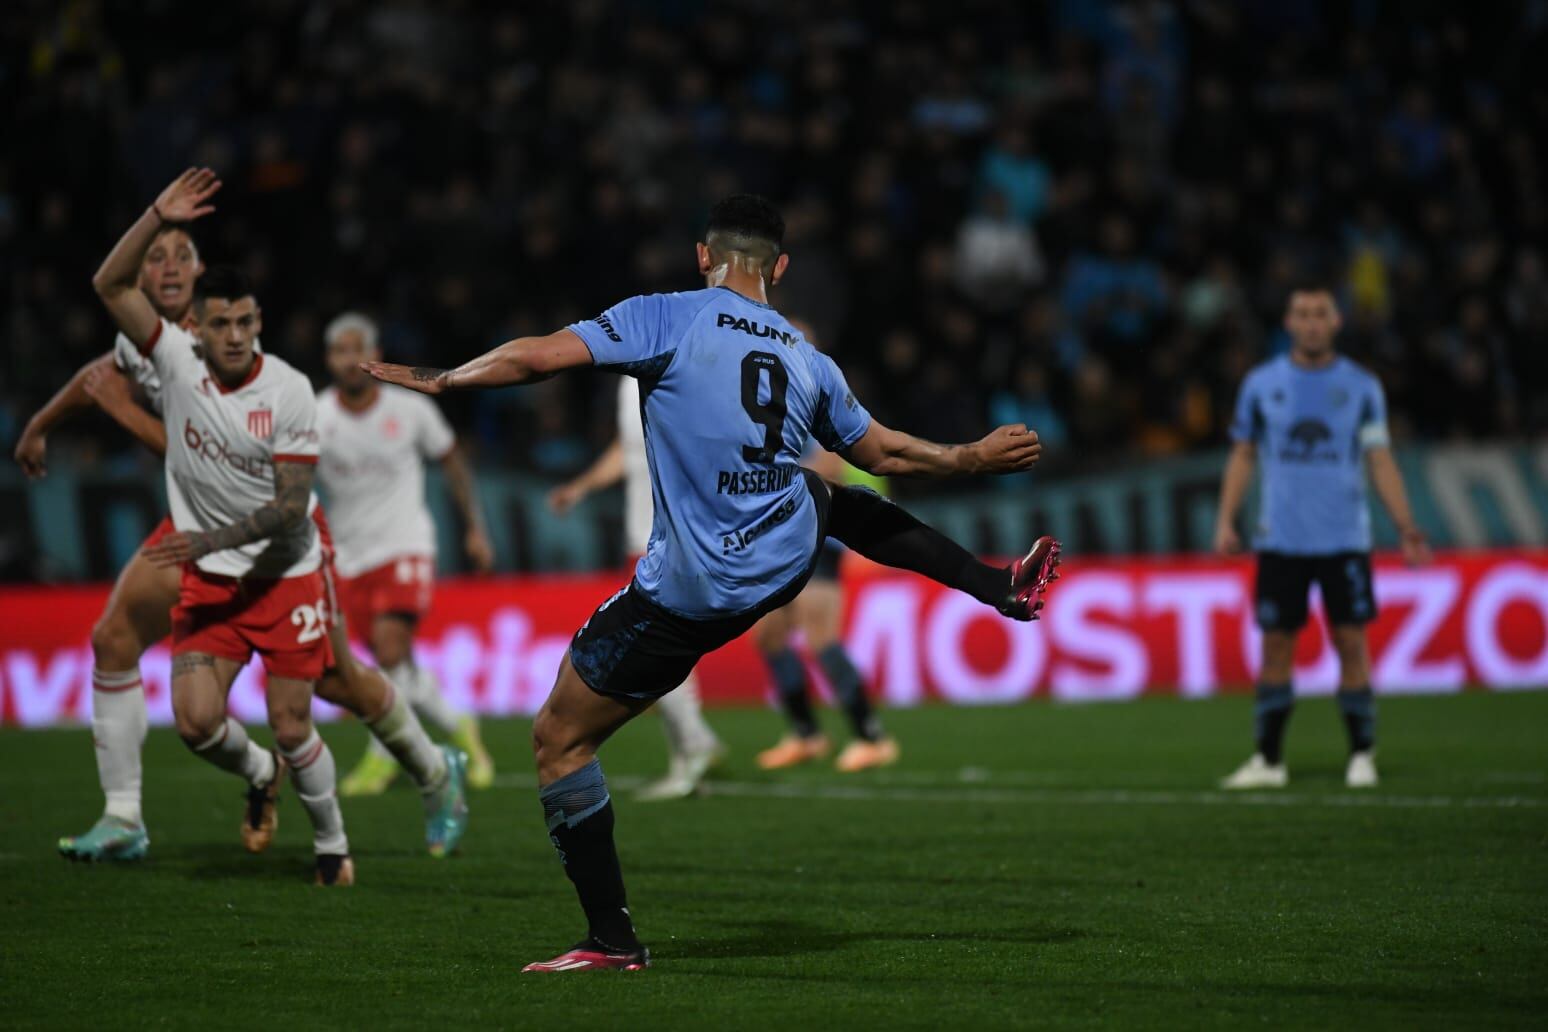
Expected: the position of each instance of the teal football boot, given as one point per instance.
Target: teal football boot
(109, 839)
(447, 816)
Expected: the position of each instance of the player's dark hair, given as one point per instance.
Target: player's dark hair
(223, 281)
(746, 223)
(177, 227)
(1311, 284)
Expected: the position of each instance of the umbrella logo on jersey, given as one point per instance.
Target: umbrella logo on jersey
(390, 428)
(260, 422)
(1307, 434)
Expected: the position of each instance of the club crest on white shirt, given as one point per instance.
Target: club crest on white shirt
(260, 423)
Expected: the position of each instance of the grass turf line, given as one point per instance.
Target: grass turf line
(1049, 866)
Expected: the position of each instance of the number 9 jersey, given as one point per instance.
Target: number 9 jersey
(730, 393)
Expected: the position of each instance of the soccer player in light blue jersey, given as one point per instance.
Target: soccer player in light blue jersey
(730, 393)
(1310, 417)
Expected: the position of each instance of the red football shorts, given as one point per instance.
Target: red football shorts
(403, 586)
(284, 620)
(162, 529)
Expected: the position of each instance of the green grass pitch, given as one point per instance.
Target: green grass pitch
(1040, 866)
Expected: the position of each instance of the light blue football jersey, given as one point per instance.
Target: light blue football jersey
(730, 393)
(1311, 428)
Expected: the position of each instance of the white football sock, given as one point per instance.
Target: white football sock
(682, 719)
(118, 723)
(424, 693)
(231, 749)
(315, 778)
(397, 733)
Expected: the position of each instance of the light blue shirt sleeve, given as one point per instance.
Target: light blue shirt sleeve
(1373, 417)
(631, 332)
(840, 420)
(1247, 423)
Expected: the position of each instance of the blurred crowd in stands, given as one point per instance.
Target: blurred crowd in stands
(1080, 215)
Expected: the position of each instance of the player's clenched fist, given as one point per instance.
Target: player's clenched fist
(1009, 449)
(32, 454)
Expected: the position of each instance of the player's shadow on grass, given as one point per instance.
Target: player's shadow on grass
(221, 861)
(780, 938)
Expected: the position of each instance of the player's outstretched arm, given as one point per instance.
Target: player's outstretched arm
(114, 394)
(1233, 488)
(32, 447)
(1388, 481)
(606, 471)
(459, 481)
(519, 361)
(892, 453)
(292, 491)
(115, 282)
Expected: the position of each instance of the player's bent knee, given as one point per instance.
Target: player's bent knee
(196, 725)
(558, 749)
(114, 644)
(290, 731)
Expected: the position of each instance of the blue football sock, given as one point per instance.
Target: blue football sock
(579, 814)
(790, 682)
(1271, 714)
(1358, 706)
(845, 680)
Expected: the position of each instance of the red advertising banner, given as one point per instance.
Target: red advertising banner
(1113, 630)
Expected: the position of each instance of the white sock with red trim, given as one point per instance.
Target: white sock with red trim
(398, 732)
(231, 749)
(424, 693)
(682, 718)
(118, 724)
(315, 778)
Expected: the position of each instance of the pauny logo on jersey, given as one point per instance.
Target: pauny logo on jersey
(1305, 439)
(754, 329)
(260, 423)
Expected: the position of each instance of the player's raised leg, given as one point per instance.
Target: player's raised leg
(805, 741)
(439, 771)
(313, 772)
(886, 533)
(392, 645)
(578, 811)
(137, 615)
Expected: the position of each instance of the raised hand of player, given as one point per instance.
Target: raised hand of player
(32, 454)
(416, 378)
(1009, 449)
(184, 198)
(480, 552)
(177, 548)
(1416, 550)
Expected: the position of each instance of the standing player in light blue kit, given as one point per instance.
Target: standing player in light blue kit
(1311, 416)
(729, 394)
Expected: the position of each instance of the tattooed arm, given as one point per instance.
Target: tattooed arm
(292, 491)
(519, 361)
